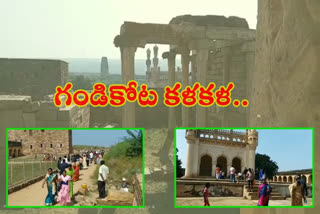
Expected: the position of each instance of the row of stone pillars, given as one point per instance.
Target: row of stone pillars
(199, 61)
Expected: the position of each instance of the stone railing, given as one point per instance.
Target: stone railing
(137, 185)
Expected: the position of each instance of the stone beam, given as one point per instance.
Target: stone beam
(138, 34)
(230, 33)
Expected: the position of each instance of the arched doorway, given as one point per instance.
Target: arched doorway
(222, 163)
(285, 179)
(303, 177)
(236, 163)
(206, 166)
(10, 152)
(290, 179)
(14, 153)
(310, 179)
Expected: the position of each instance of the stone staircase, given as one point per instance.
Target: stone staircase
(253, 195)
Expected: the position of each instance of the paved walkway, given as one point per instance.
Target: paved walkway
(231, 201)
(34, 195)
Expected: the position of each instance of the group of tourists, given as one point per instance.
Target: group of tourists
(298, 189)
(60, 183)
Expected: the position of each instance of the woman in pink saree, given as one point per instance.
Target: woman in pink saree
(64, 194)
(264, 193)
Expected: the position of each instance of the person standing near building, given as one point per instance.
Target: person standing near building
(206, 194)
(102, 179)
(264, 193)
(250, 178)
(218, 172)
(232, 174)
(244, 174)
(297, 192)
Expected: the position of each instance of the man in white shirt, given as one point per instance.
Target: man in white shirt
(102, 179)
(91, 157)
(232, 174)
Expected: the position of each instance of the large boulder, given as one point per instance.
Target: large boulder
(117, 198)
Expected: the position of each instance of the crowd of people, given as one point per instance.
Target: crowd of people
(298, 189)
(60, 183)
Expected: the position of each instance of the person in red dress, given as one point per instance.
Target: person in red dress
(206, 195)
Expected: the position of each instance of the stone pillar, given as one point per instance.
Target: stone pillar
(201, 48)
(127, 74)
(202, 61)
(171, 56)
(192, 159)
(214, 166)
(185, 59)
(251, 157)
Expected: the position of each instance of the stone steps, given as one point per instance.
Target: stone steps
(253, 195)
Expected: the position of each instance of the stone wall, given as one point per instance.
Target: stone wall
(21, 111)
(231, 63)
(286, 75)
(217, 189)
(43, 141)
(284, 190)
(33, 77)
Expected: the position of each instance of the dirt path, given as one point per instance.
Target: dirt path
(34, 195)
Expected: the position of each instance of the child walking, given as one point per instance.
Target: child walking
(206, 194)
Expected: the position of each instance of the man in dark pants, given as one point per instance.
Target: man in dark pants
(102, 179)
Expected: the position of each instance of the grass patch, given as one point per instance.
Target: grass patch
(120, 165)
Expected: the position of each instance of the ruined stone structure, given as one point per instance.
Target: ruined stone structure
(104, 67)
(15, 149)
(208, 149)
(22, 111)
(33, 77)
(155, 77)
(219, 49)
(43, 141)
(289, 176)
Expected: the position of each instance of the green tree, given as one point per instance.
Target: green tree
(265, 162)
(135, 139)
(179, 166)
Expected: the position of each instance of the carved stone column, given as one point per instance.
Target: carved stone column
(171, 56)
(201, 47)
(202, 60)
(127, 74)
(185, 59)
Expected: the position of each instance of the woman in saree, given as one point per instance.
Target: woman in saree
(50, 179)
(64, 194)
(297, 193)
(71, 173)
(76, 169)
(84, 162)
(264, 193)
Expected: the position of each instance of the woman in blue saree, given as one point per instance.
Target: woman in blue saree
(264, 193)
(50, 179)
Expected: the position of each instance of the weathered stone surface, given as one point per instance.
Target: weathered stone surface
(211, 20)
(52, 141)
(34, 77)
(286, 78)
(116, 197)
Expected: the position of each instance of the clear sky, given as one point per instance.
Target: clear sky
(290, 148)
(86, 28)
(98, 137)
